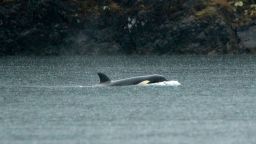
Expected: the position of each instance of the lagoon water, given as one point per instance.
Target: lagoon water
(41, 100)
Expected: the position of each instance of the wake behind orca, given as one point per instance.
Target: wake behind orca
(139, 80)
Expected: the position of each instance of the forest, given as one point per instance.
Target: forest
(130, 27)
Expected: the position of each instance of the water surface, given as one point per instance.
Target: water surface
(41, 101)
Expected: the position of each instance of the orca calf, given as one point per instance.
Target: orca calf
(139, 80)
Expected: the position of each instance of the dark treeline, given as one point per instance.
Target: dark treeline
(57, 27)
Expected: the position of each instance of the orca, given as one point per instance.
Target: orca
(139, 80)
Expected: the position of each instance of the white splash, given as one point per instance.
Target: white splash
(167, 83)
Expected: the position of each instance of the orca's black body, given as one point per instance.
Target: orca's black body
(105, 80)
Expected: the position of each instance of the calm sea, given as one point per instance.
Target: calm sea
(42, 101)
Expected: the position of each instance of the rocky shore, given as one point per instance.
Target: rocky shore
(108, 27)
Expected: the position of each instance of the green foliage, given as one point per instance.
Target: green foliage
(138, 26)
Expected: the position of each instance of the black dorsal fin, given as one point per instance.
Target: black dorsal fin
(103, 78)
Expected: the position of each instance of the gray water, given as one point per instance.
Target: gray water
(41, 101)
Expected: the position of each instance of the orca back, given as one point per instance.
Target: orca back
(137, 80)
(105, 80)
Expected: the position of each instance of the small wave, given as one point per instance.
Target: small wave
(164, 83)
(167, 83)
(46, 86)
